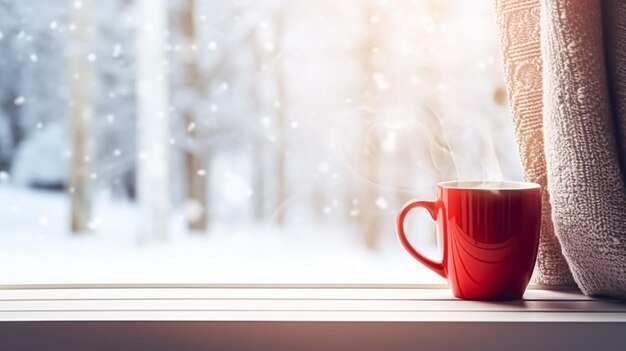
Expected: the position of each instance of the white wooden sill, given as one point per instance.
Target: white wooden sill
(565, 318)
(293, 303)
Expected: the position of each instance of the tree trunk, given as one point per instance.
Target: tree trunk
(81, 113)
(281, 143)
(196, 161)
(153, 191)
(259, 148)
(369, 218)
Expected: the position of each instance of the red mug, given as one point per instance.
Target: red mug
(488, 234)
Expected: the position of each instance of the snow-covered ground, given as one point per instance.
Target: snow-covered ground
(36, 247)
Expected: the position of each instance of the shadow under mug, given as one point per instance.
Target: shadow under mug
(488, 235)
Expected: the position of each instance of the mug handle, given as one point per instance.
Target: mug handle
(432, 207)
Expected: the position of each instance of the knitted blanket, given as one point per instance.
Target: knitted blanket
(565, 70)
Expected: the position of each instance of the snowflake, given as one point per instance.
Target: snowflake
(381, 202)
(33, 57)
(94, 223)
(235, 189)
(4, 176)
(20, 100)
(43, 221)
(323, 168)
(201, 172)
(193, 210)
(92, 57)
(380, 81)
(117, 50)
(78, 4)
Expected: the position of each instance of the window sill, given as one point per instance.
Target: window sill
(293, 303)
(288, 317)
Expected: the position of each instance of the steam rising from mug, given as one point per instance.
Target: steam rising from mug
(417, 145)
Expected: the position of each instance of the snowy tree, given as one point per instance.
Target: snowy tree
(195, 158)
(116, 104)
(153, 191)
(10, 131)
(279, 174)
(81, 103)
(32, 48)
(369, 219)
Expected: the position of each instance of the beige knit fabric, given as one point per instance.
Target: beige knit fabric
(583, 70)
(518, 22)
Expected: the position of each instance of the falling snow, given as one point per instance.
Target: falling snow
(266, 110)
(117, 50)
(20, 100)
(193, 210)
(323, 168)
(43, 221)
(382, 203)
(381, 81)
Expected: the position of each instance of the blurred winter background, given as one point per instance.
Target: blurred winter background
(217, 141)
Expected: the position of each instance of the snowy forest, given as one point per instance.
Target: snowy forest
(239, 141)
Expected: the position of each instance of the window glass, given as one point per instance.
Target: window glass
(211, 141)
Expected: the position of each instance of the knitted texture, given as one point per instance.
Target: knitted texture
(583, 108)
(518, 23)
(586, 186)
(614, 28)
